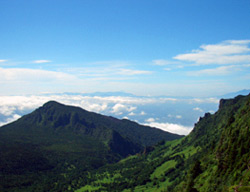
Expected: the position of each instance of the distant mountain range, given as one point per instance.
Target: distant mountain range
(125, 94)
(101, 94)
(234, 94)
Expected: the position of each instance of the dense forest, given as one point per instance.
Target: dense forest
(56, 144)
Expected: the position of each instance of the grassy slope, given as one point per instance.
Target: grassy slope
(214, 157)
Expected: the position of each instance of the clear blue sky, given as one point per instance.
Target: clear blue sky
(145, 47)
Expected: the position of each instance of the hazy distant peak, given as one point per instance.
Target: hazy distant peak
(234, 94)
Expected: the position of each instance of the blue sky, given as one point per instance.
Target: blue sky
(145, 47)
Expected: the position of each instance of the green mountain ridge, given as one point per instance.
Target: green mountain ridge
(215, 156)
(57, 143)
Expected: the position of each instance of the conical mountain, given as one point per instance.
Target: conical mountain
(57, 139)
(58, 118)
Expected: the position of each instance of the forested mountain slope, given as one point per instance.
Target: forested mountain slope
(215, 156)
(56, 144)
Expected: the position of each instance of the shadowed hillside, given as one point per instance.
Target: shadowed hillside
(57, 143)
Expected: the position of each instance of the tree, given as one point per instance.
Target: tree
(194, 172)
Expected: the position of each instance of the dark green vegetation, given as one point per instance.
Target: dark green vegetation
(57, 147)
(214, 157)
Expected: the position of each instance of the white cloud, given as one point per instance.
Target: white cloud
(16, 81)
(143, 113)
(22, 74)
(7, 110)
(162, 62)
(21, 103)
(132, 114)
(204, 100)
(197, 109)
(95, 107)
(170, 127)
(150, 120)
(115, 63)
(227, 52)
(2, 60)
(120, 109)
(12, 107)
(175, 116)
(10, 119)
(167, 69)
(129, 72)
(107, 72)
(41, 61)
(223, 70)
(134, 100)
(238, 42)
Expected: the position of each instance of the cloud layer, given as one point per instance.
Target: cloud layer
(20, 74)
(170, 127)
(19, 80)
(227, 52)
(169, 114)
(41, 61)
(218, 71)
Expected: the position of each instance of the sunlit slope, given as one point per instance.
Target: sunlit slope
(215, 156)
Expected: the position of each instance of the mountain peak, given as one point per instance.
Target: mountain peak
(229, 102)
(56, 117)
(52, 104)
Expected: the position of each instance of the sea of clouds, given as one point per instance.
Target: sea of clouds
(176, 115)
